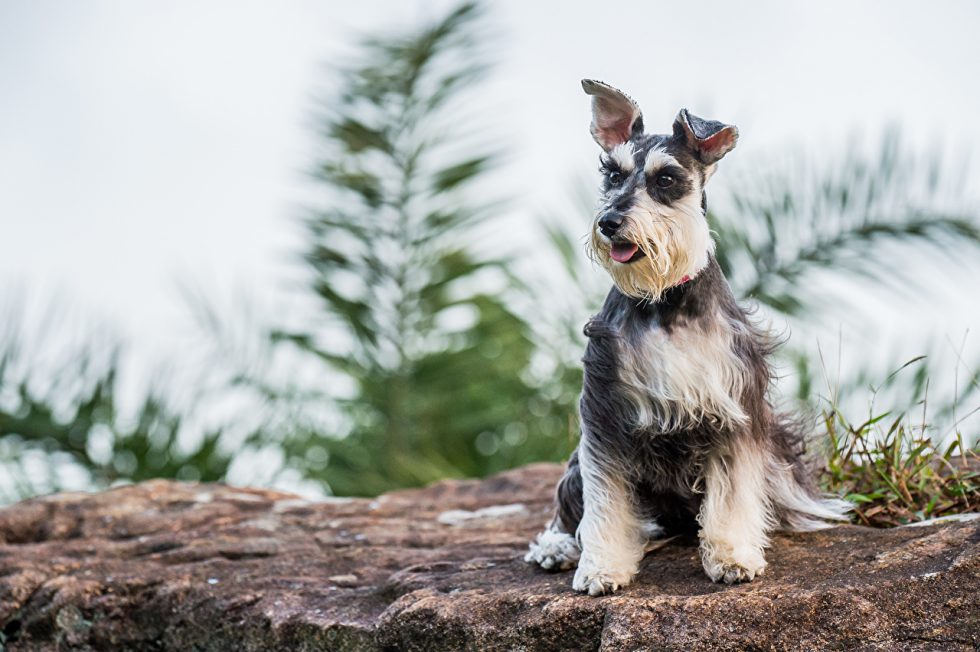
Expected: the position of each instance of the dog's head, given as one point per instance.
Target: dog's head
(650, 231)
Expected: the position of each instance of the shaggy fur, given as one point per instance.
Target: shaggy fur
(678, 432)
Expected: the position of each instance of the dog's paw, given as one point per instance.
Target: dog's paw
(735, 573)
(553, 550)
(732, 567)
(594, 580)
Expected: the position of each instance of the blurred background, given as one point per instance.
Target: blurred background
(337, 248)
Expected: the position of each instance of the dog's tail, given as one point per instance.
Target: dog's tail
(802, 509)
(798, 501)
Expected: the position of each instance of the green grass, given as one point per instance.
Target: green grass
(894, 474)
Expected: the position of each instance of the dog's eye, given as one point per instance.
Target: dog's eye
(615, 177)
(665, 181)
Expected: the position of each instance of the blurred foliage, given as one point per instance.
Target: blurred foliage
(413, 316)
(67, 419)
(847, 217)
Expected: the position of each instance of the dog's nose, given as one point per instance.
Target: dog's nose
(610, 223)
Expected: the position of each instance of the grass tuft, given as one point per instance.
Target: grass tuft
(895, 474)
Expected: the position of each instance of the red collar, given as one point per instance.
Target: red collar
(683, 281)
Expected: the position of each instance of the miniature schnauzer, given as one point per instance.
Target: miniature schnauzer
(678, 431)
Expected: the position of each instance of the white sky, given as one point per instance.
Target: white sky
(147, 143)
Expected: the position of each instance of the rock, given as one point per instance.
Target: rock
(171, 566)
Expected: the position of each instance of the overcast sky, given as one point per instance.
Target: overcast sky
(144, 144)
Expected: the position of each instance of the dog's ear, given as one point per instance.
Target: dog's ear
(709, 139)
(615, 116)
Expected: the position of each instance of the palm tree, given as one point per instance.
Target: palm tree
(413, 320)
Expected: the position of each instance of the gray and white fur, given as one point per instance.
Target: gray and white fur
(677, 429)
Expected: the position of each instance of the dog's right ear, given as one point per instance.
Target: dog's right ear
(615, 116)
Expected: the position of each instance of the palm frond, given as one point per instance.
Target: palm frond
(863, 215)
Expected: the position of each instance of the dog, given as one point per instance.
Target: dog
(678, 432)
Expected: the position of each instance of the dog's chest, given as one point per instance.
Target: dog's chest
(683, 376)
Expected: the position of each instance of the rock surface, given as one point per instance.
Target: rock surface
(169, 566)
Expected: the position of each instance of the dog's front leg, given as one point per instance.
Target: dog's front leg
(610, 533)
(736, 515)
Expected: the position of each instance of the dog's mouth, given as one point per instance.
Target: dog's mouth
(625, 252)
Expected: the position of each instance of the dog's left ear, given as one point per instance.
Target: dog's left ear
(709, 139)
(615, 116)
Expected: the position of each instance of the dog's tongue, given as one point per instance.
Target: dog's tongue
(621, 252)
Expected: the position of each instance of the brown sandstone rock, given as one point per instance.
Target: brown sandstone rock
(169, 566)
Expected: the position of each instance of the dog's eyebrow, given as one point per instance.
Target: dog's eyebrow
(622, 156)
(657, 158)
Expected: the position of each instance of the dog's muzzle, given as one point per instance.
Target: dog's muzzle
(620, 249)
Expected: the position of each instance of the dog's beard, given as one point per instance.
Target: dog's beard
(675, 242)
